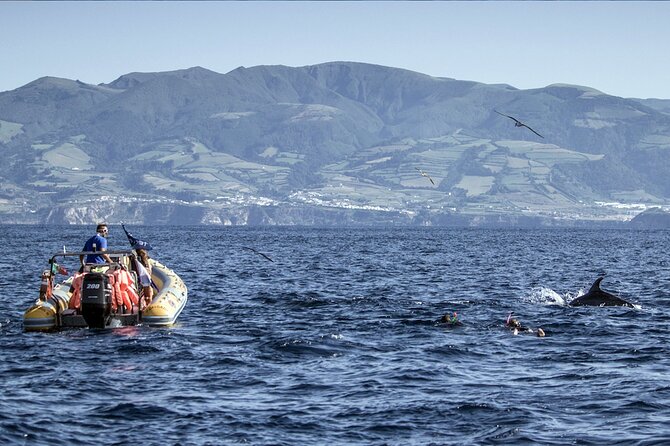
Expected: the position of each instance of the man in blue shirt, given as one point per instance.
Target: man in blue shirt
(97, 243)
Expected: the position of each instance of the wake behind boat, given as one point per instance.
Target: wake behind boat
(105, 295)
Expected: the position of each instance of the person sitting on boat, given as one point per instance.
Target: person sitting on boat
(143, 268)
(97, 243)
(143, 257)
(142, 265)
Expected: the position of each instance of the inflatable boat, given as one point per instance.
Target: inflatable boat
(105, 295)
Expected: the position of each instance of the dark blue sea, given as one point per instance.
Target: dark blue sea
(338, 341)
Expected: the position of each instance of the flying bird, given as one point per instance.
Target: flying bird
(518, 123)
(258, 252)
(424, 174)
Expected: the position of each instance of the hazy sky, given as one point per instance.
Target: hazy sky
(620, 48)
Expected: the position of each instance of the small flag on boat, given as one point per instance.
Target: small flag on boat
(56, 268)
(134, 242)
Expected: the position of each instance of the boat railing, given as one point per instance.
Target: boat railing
(118, 259)
(117, 254)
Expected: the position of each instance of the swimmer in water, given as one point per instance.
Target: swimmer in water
(451, 319)
(516, 327)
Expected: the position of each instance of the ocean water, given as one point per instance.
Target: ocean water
(338, 341)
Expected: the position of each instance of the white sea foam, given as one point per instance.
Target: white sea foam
(546, 296)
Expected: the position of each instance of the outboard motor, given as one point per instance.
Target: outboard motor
(96, 300)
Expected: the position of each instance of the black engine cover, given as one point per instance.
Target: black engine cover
(96, 300)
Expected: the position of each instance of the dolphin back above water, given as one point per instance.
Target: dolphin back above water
(599, 298)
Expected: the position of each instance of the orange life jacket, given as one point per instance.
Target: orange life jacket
(123, 290)
(75, 300)
(47, 285)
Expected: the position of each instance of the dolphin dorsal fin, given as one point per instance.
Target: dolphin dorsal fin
(596, 285)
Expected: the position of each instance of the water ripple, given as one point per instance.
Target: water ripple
(339, 342)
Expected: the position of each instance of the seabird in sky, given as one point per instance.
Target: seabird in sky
(518, 123)
(424, 174)
(258, 252)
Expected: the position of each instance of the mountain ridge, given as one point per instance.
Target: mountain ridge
(333, 135)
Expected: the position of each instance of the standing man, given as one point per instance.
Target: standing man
(97, 243)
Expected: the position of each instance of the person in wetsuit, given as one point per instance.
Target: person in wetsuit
(516, 327)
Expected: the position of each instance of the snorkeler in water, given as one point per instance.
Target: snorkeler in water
(451, 319)
(516, 327)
